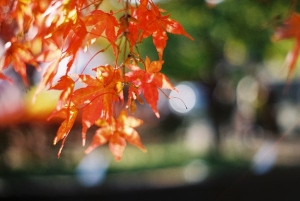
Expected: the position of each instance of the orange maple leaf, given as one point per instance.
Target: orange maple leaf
(148, 82)
(18, 55)
(152, 22)
(23, 13)
(75, 38)
(98, 97)
(66, 84)
(290, 29)
(117, 133)
(69, 115)
(128, 27)
(102, 22)
(133, 94)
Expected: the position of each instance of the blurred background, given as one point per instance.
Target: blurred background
(231, 133)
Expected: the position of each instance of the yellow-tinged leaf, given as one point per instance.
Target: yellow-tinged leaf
(117, 145)
(66, 84)
(117, 132)
(69, 115)
(102, 135)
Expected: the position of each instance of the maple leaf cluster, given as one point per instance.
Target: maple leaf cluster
(47, 32)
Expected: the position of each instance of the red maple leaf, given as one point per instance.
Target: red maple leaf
(18, 55)
(148, 82)
(66, 84)
(290, 29)
(117, 133)
(133, 94)
(128, 27)
(75, 41)
(99, 96)
(102, 22)
(152, 22)
(69, 115)
(23, 12)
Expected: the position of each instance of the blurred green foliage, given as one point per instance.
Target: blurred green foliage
(230, 37)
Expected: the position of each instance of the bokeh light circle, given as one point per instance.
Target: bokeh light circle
(184, 100)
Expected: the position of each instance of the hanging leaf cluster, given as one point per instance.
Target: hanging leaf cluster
(47, 32)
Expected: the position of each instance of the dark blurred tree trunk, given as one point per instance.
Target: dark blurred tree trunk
(221, 103)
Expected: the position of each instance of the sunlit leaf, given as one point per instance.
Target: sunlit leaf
(69, 115)
(153, 22)
(117, 133)
(66, 84)
(148, 82)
